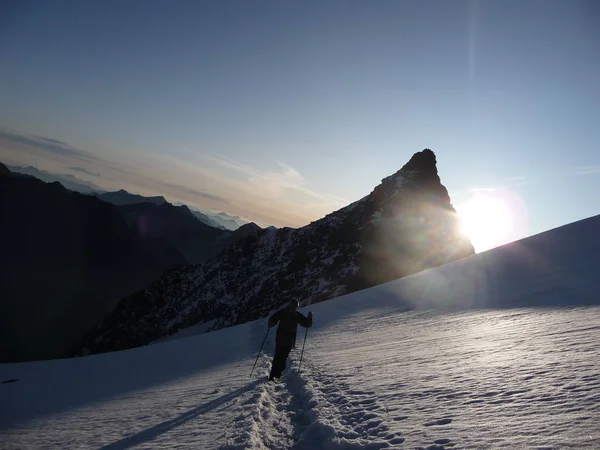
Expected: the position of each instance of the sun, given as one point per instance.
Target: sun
(487, 220)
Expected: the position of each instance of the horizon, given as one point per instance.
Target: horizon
(281, 114)
(204, 210)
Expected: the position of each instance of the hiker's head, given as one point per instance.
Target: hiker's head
(293, 305)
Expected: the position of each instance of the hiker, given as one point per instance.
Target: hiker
(285, 339)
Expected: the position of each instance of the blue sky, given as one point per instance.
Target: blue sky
(282, 112)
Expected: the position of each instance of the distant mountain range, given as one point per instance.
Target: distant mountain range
(178, 226)
(68, 258)
(217, 219)
(227, 221)
(194, 234)
(405, 225)
(207, 220)
(122, 197)
(68, 181)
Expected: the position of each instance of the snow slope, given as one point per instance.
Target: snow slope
(523, 373)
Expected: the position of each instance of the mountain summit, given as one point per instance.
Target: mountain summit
(405, 225)
(122, 197)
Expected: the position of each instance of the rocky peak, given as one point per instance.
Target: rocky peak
(122, 198)
(424, 162)
(185, 209)
(247, 228)
(417, 180)
(406, 224)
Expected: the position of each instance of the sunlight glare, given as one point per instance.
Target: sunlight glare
(487, 220)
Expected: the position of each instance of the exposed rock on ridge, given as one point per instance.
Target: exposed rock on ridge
(405, 225)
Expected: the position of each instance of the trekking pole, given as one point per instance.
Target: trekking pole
(302, 354)
(261, 347)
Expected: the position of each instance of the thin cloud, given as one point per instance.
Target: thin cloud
(196, 192)
(233, 165)
(592, 169)
(517, 181)
(47, 145)
(46, 148)
(286, 178)
(263, 195)
(267, 195)
(82, 170)
(509, 183)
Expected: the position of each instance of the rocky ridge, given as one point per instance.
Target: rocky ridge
(406, 224)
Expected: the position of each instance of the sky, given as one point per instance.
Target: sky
(282, 112)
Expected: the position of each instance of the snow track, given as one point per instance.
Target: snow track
(263, 422)
(309, 410)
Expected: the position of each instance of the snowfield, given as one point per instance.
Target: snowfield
(504, 354)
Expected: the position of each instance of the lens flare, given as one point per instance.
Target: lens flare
(488, 219)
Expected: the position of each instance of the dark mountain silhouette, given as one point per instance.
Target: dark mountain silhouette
(227, 221)
(207, 220)
(68, 181)
(122, 197)
(230, 237)
(407, 224)
(178, 226)
(220, 219)
(67, 260)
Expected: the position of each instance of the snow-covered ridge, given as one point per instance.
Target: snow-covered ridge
(347, 250)
(373, 375)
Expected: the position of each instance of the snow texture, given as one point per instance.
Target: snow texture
(373, 376)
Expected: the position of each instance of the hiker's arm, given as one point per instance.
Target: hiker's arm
(306, 322)
(274, 319)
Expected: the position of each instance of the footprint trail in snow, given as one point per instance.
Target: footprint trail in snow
(309, 410)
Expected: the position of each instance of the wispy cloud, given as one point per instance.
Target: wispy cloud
(278, 195)
(507, 183)
(24, 147)
(286, 178)
(82, 170)
(592, 169)
(44, 144)
(517, 181)
(127, 175)
(196, 192)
